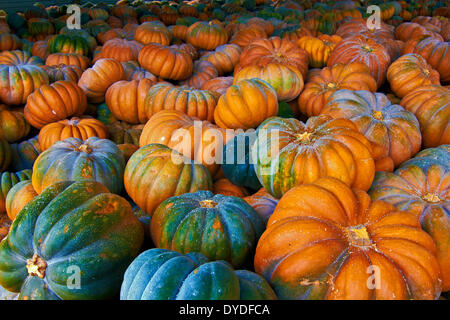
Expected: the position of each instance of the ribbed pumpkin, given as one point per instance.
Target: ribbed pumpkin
(353, 27)
(76, 160)
(155, 173)
(318, 49)
(274, 50)
(96, 80)
(287, 81)
(153, 32)
(365, 50)
(410, 72)
(193, 102)
(203, 71)
(225, 187)
(224, 57)
(24, 154)
(393, 131)
(81, 128)
(18, 197)
(40, 49)
(218, 85)
(187, 48)
(13, 126)
(247, 36)
(67, 43)
(327, 241)
(5, 154)
(126, 100)
(178, 32)
(132, 71)
(78, 60)
(221, 227)
(421, 186)
(63, 72)
(437, 54)
(206, 35)
(9, 41)
(431, 105)
(115, 33)
(246, 104)
(55, 102)
(294, 33)
(351, 76)
(89, 217)
(263, 203)
(120, 49)
(160, 274)
(288, 152)
(121, 132)
(9, 180)
(166, 62)
(410, 30)
(17, 57)
(17, 82)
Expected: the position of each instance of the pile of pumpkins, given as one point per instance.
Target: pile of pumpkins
(225, 149)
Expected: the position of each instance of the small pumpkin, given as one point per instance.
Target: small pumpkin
(120, 49)
(153, 32)
(203, 71)
(18, 197)
(218, 85)
(7, 181)
(206, 35)
(24, 154)
(76, 59)
(318, 49)
(225, 57)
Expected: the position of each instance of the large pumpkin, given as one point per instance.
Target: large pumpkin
(246, 104)
(120, 49)
(55, 102)
(431, 105)
(206, 35)
(68, 43)
(365, 50)
(410, 30)
(17, 57)
(68, 59)
(393, 131)
(160, 274)
(63, 72)
(71, 228)
(351, 76)
(153, 32)
(246, 36)
(155, 173)
(76, 160)
(224, 57)
(421, 186)
(220, 227)
(327, 241)
(288, 152)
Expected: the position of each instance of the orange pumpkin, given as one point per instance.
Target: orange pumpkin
(17, 57)
(18, 197)
(225, 187)
(218, 85)
(55, 102)
(410, 31)
(120, 49)
(13, 126)
(63, 72)
(81, 128)
(224, 58)
(361, 27)
(179, 32)
(75, 59)
(206, 35)
(132, 71)
(203, 71)
(153, 32)
(9, 41)
(247, 36)
(115, 33)
(186, 48)
(351, 76)
(325, 240)
(246, 104)
(318, 49)
(40, 49)
(263, 203)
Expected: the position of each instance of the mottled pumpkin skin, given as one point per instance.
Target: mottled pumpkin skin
(70, 224)
(155, 173)
(431, 105)
(19, 196)
(66, 43)
(24, 154)
(263, 203)
(237, 163)
(393, 131)
(288, 153)
(421, 186)
(206, 35)
(77, 160)
(17, 57)
(220, 227)
(9, 180)
(324, 239)
(160, 274)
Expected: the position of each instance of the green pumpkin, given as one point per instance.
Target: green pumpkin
(67, 43)
(75, 160)
(72, 228)
(40, 26)
(5, 154)
(9, 180)
(24, 154)
(159, 274)
(220, 227)
(15, 21)
(105, 115)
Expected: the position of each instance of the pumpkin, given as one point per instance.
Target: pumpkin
(96, 80)
(9, 180)
(218, 85)
(206, 35)
(17, 82)
(153, 32)
(421, 186)
(263, 203)
(227, 188)
(127, 150)
(160, 274)
(54, 102)
(178, 32)
(90, 217)
(294, 33)
(225, 57)
(319, 87)
(247, 36)
(274, 50)
(246, 104)
(67, 43)
(186, 48)
(40, 49)
(115, 33)
(221, 227)
(324, 240)
(155, 173)
(318, 49)
(360, 27)
(193, 102)
(76, 160)
(365, 50)
(410, 30)
(13, 126)
(435, 52)
(9, 41)
(132, 71)
(17, 57)
(120, 49)
(5, 154)
(287, 81)
(393, 131)
(81, 128)
(18, 197)
(203, 71)
(288, 152)
(431, 106)
(410, 72)
(63, 72)
(24, 154)
(76, 59)
(166, 62)
(121, 132)
(126, 100)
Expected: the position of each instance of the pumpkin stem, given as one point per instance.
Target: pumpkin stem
(208, 204)
(304, 137)
(85, 148)
(367, 48)
(426, 72)
(358, 236)
(378, 115)
(74, 121)
(36, 266)
(429, 197)
(331, 85)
